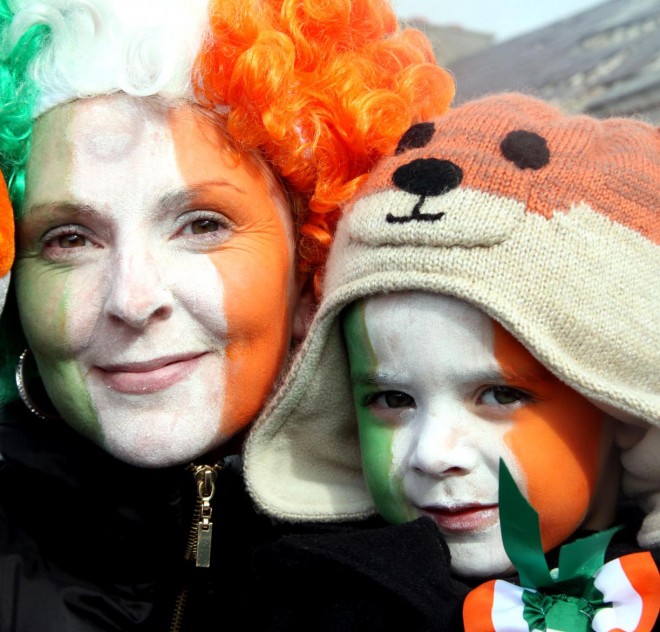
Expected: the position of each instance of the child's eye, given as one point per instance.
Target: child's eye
(390, 399)
(502, 396)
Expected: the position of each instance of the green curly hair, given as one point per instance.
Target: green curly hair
(18, 95)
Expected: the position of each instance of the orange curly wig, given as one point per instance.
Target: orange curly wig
(323, 88)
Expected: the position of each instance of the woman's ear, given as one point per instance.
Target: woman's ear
(304, 309)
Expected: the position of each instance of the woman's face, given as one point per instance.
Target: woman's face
(442, 392)
(155, 277)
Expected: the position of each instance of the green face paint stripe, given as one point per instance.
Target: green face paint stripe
(67, 377)
(79, 403)
(376, 439)
(81, 400)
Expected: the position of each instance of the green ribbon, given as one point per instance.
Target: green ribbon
(563, 600)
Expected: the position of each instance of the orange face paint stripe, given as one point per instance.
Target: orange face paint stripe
(559, 488)
(256, 268)
(252, 368)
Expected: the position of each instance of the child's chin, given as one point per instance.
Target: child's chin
(482, 572)
(479, 560)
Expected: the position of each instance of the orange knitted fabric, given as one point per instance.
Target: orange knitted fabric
(611, 164)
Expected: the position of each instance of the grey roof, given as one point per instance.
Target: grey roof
(605, 60)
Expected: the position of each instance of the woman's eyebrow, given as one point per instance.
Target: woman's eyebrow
(177, 198)
(36, 216)
(55, 209)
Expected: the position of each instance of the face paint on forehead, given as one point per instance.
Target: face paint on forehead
(123, 145)
(128, 129)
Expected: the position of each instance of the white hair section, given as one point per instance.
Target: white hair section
(97, 47)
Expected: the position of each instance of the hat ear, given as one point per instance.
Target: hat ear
(641, 477)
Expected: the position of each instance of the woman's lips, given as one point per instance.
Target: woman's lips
(463, 519)
(150, 376)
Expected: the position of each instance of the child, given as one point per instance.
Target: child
(495, 285)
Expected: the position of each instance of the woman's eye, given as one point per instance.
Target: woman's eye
(70, 241)
(392, 399)
(63, 241)
(209, 226)
(502, 396)
(201, 226)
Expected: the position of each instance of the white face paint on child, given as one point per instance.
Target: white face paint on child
(441, 393)
(155, 277)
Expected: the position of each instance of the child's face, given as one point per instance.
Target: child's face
(442, 392)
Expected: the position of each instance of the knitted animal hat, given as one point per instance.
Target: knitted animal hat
(549, 224)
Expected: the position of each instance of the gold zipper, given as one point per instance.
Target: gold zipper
(205, 476)
(200, 536)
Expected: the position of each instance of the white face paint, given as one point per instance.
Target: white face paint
(131, 216)
(438, 409)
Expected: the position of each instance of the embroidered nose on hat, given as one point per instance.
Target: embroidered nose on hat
(424, 177)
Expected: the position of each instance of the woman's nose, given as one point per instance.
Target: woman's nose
(137, 294)
(443, 446)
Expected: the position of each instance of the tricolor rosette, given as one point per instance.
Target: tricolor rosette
(582, 595)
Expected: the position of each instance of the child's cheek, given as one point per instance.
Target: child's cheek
(377, 443)
(556, 441)
(559, 451)
(377, 439)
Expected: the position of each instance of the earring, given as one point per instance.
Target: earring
(22, 390)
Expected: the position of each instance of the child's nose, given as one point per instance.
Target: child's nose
(443, 447)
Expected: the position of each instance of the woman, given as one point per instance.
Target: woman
(175, 176)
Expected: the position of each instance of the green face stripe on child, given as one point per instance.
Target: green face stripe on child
(375, 437)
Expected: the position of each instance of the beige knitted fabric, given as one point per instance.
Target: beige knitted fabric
(549, 224)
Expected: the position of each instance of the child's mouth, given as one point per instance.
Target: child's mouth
(463, 518)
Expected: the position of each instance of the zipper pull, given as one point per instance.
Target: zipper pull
(205, 476)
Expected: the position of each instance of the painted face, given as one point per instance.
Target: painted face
(441, 393)
(155, 277)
